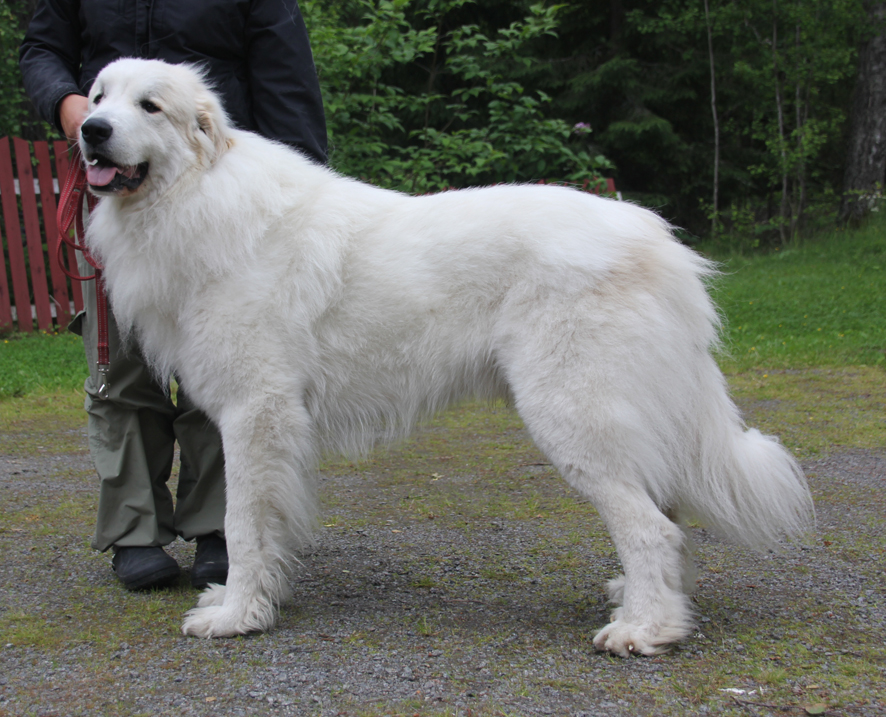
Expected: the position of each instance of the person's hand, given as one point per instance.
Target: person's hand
(72, 112)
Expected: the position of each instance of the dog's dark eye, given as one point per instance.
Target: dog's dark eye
(97, 98)
(149, 107)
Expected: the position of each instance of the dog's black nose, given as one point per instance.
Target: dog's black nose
(96, 130)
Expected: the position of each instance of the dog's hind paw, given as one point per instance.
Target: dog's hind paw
(213, 595)
(625, 639)
(615, 588)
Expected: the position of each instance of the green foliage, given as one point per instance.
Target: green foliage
(12, 112)
(640, 73)
(422, 95)
(420, 101)
(795, 55)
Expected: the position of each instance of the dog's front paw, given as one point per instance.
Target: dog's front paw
(214, 621)
(214, 594)
(626, 639)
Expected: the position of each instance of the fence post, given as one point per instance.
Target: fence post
(5, 298)
(62, 163)
(14, 239)
(33, 234)
(47, 200)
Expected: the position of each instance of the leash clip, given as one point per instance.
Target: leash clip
(104, 385)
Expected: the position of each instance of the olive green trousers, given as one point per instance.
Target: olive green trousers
(132, 438)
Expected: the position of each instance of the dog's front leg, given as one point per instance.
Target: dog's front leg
(270, 514)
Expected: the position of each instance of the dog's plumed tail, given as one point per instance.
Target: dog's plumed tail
(741, 483)
(746, 484)
(763, 492)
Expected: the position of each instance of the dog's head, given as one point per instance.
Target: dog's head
(148, 123)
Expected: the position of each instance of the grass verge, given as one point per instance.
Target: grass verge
(819, 303)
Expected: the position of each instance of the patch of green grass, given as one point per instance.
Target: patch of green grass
(815, 411)
(84, 618)
(43, 423)
(41, 362)
(423, 582)
(44, 518)
(424, 627)
(820, 303)
(495, 573)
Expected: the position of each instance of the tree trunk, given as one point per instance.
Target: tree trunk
(866, 160)
(616, 25)
(801, 114)
(783, 212)
(716, 208)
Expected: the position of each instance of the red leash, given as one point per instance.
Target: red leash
(70, 213)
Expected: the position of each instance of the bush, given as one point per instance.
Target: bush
(13, 102)
(418, 101)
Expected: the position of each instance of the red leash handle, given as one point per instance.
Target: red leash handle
(70, 213)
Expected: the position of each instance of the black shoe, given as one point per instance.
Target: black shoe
(144, 568)
(210, 562)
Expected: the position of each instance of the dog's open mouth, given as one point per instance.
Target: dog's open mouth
(105, 176)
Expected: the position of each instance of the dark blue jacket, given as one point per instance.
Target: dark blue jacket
(256, 54)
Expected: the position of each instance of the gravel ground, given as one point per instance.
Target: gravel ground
(429, 597)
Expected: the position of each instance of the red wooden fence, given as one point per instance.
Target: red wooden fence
(28, 189)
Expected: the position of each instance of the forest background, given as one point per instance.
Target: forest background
(744, 122)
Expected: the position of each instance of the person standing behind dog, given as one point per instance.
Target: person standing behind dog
(256, 55)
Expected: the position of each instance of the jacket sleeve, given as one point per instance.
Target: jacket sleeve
(283, 84)
(49, 56)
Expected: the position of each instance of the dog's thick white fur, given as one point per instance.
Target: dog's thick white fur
(306, 312)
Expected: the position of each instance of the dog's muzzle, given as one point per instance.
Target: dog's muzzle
(103, 175)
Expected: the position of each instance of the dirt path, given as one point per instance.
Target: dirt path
(443, 584)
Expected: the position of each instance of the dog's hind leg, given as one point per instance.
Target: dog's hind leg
(591, 431)
(270, 513)
(615, 588)
(653, 610)
(688, 572)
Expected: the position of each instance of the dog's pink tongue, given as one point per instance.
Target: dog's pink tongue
(100, 176)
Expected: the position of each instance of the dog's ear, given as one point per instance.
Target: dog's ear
(213, 124)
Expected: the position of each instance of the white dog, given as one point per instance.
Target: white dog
(306, 312)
